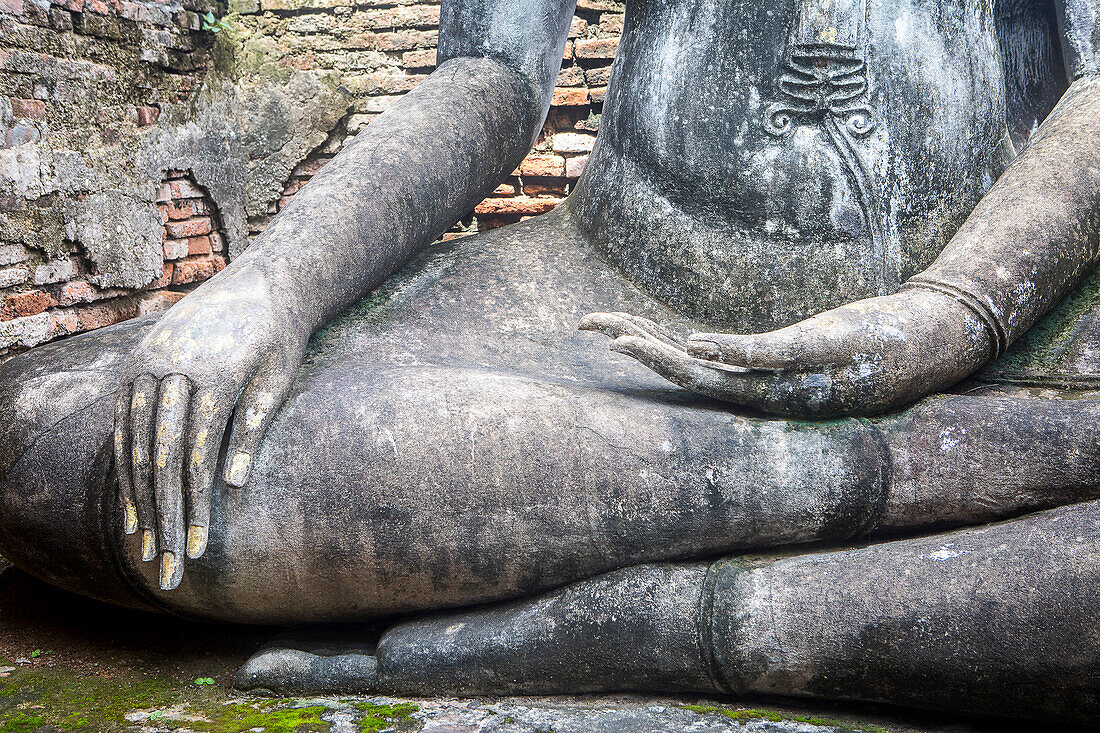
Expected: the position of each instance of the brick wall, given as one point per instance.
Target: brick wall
(383, 48)
(88, 72)
(138, 151)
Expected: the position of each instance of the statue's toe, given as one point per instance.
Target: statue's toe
(284, 671)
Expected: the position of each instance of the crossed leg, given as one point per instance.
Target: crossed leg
(998, 619)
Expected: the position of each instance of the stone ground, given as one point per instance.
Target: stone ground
(67, 663)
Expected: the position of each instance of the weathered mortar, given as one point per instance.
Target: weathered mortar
(128, 134)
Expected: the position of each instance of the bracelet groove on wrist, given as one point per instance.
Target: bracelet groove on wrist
(971, 302)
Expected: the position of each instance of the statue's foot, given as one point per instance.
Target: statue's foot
(634, 629)
(313, 660)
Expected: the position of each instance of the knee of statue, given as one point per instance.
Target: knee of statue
(58, 498)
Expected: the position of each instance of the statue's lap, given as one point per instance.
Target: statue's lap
(452, 439)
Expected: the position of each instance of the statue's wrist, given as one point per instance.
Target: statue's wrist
(974, 304)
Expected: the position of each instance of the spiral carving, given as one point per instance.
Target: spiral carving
(778, 119)
(819, 80)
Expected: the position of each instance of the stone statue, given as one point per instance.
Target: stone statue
(888, 194)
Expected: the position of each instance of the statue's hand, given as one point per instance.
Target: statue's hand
(862, 358)
(225, 350)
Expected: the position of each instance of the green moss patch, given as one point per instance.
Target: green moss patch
(745, 715)
(381, 717)
(33, 697)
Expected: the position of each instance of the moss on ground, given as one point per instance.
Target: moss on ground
(33, 697)
(745, 715)
(380, 717)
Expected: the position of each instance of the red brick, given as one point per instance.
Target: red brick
(399, 41)
(19, 134)
(570, 97)
(193, 269)
(517, 205)
(418, 59)
(544, 189)
(493, 222)
(62, 323)
(416, 16)
(193, 227)
(164, 279)
(30, 303)
(577, 27)
(34, 109)
(147, 116)
(597, 94)
(77, 291)
(175, 249)
(184, 190)
(573, 142)
(184, 208)
(198, 245)
(113, 311)
(542, 165)
(598, 77)
(504, 190)
(608, 6)
(596, 48)
(570, 76)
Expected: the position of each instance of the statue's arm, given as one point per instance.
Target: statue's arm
(1036, 234)
(422, 164)
(1028, 243)
(226, 355)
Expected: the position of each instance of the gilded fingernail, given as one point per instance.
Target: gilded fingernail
(196, 541)
(238, 469)
(148, 546)
(129, 517)
(168, 571)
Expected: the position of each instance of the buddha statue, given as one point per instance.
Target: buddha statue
(845, 445)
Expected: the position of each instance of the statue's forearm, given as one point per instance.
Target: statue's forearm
(396, 187)
(1035, 234)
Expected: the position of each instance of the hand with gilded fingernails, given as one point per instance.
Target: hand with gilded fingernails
(222, 359)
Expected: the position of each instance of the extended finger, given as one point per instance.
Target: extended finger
(611, 325)
(614, 325)
(255, 410)
(654, 330)
(828, 338)
(787, 348)
(209, 415)
(142, 404)
(681, 369)
(173, 403)
(122, 459)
